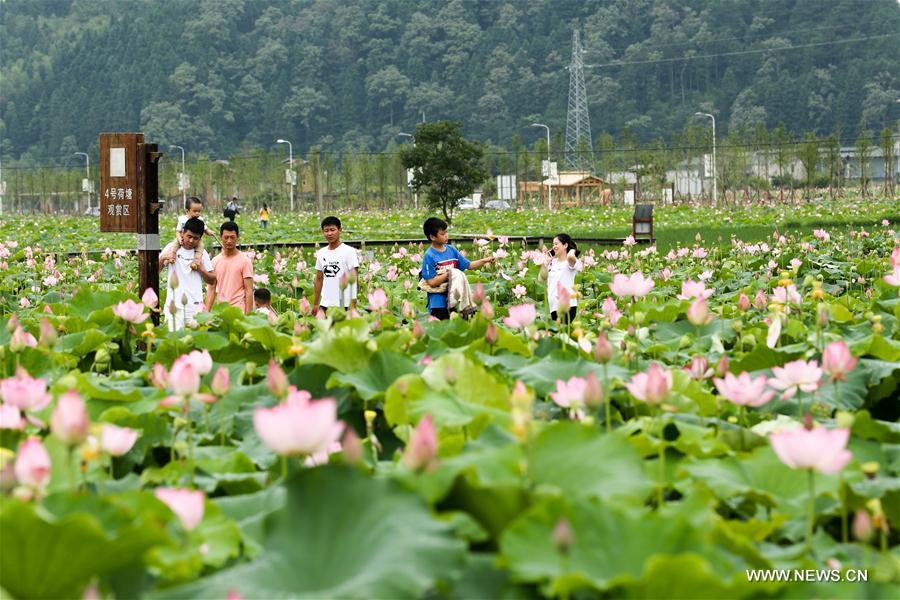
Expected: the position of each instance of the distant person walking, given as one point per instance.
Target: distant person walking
(264, 216)
(232, 209)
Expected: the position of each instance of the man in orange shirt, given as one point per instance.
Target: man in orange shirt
(234, 273)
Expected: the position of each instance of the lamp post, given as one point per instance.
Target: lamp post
(87, 174)
(715, 185)
(291, 162)
(549, 172)
(183, 176)
(413, 138)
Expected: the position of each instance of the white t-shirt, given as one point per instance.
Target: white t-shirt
(559, 272)
(184, 219)
(334, 264)
(189, 282)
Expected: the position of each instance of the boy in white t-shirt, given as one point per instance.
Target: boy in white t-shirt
(192, 209)
(561, 272)
(335, 263)
(186, 277)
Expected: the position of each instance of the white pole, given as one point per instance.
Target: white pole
(291, 162)
(413, 138)
(87, 173)
(549, 171)
(183, 176)
(715, 185)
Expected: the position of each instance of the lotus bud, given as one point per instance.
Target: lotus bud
(603, 350)
(184, 298)
(13, 323)
(19, 340)
(563, 537)
(295, 282)
(48, 332)
(221, 382)
(352, 277)
(593, 391)
(542, 274)
(417, 330)
(478, 295)
(491, 335)
(305, 307)
(808, 422)
(172, 308)
(862, 526)
(69, 421)
(173, 281)
(760, 301)
(698, 313)
(422, 448)
(487, 310)
(565, 301)
(276, 380)
(722, 366)
(822, 319)
(743, 302)
(630, 331)
(352, 447)
(407, 310)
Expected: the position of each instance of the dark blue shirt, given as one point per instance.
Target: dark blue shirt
(434, 260)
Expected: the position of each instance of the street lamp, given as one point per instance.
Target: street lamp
(549, 172)
(291, 161)
(87, 174)
(413, 138)
(715, 186)
(183, 176)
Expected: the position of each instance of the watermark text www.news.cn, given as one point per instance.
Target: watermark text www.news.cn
(809, 575)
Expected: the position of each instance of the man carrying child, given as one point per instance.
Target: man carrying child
(186, 276)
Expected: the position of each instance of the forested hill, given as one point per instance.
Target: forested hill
(219, 75)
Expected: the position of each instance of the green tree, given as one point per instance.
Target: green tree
(887, 154)
(809, 157)
(864, 156)
(833, 154)
(447, 166)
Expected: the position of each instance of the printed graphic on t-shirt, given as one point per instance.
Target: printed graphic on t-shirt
(332, 268)
(450, 263)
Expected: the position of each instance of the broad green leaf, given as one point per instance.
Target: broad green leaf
(383, 370)
(342, 534)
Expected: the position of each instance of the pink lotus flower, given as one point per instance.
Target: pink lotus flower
(744, 390)
(699, 368)
(895, 257)
(774, 331)
(629, 241)
(611, 311)
(837, 360)
(698, 313)
(188, 505)
(305, 307)
(634, 285)
(32, 466)
(487, 310)
(743, 302)
(11, 417)
(694, 289)
(521, 316)
(519, 291)
(570, 394)
(760, 301)
(69, 421)
(130, 311)
(651, 387)
(184, 378)
(796, 375)
(787, 295)
(159, 377)
(25, 392)
(299, 426)
(421, 451)
(221, 382)
(276, 380)
(378, 300)
(201, 360)
(117, 441)
(21, 339)
(321, 458)
(824, 450)
(149, 298)
(894, 277)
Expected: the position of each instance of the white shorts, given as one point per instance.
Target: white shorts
(184, 313)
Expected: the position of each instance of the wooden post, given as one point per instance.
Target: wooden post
(148, 243)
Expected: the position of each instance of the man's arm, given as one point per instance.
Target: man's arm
(439, 278)
(317, 290)
(248, 295)
(208, 277)
(210, 297)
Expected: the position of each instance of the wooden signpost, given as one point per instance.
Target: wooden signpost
(129, 199)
